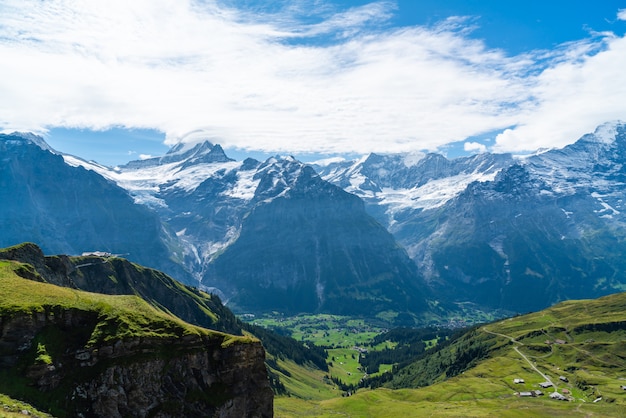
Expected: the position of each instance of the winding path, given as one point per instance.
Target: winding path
(516, 348)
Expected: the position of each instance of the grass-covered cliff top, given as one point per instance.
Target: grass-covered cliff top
(118, 317)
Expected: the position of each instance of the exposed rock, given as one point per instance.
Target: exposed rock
(137, 377)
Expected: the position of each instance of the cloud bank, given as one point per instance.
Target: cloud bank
(344, 82)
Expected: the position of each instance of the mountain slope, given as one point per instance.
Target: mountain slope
(580, 341)
(229, 214)
(308, 246)
(77, 353)
(71, 210)
(117, 276)
(503, 233)
(542, 231)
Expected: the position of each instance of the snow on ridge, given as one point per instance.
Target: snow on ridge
(245, 187)
(190, 178)
(104, 171)
(431, 195)
(607, 132)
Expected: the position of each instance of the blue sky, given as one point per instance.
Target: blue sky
(125, 80)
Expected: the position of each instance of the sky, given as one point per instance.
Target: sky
(117, 81)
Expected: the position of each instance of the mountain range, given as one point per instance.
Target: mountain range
(414, 234)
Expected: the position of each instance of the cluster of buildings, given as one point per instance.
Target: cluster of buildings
(544, 385)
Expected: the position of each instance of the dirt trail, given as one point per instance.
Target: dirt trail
(516, 348)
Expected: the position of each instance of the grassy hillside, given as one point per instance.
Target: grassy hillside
(117, 276)
(44, 325)
(578, 346)
(118, 316)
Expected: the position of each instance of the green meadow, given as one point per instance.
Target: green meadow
(579, 345)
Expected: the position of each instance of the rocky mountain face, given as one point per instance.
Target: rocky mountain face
(133, 377)
(273, 235)
(514, 234)
(85, 354)
(306, 245)
(68, 209)
(117, 276)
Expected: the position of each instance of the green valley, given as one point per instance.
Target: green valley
(319, 365)
(578, 347)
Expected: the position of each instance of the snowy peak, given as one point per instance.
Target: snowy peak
(209, 154)
(602, 143)
(203, 152)
(595, 161)
(400, 182)
(277, 175)
(608, 133)
(28, 137)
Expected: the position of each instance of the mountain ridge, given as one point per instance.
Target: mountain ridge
(491, 230)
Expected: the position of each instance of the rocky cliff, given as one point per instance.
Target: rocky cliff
(75, 353)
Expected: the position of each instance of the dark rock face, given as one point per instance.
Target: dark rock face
(548, 229)
(308, 246)
(137, 377)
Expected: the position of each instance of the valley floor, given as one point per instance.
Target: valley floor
(578, 348)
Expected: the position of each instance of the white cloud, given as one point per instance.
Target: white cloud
(474, 147)
(621, 14)
(271, 84)
(571, 99)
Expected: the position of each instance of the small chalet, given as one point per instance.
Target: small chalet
(532, 393)
(518, 381)
(557, 396)
(545, 385)
(563, 378)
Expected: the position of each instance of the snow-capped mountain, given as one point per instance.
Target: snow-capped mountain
(272, 235)
(396, 187)
(517, 234)
(306, 246)
(383, 233)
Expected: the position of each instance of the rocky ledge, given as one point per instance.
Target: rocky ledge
(213, 375)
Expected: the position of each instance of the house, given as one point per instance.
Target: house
(518, 380)
(526, 394)
(538, 392)
(623, 387)
(563, 378)
(557, 396)
(560, 342)
(545, 385)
